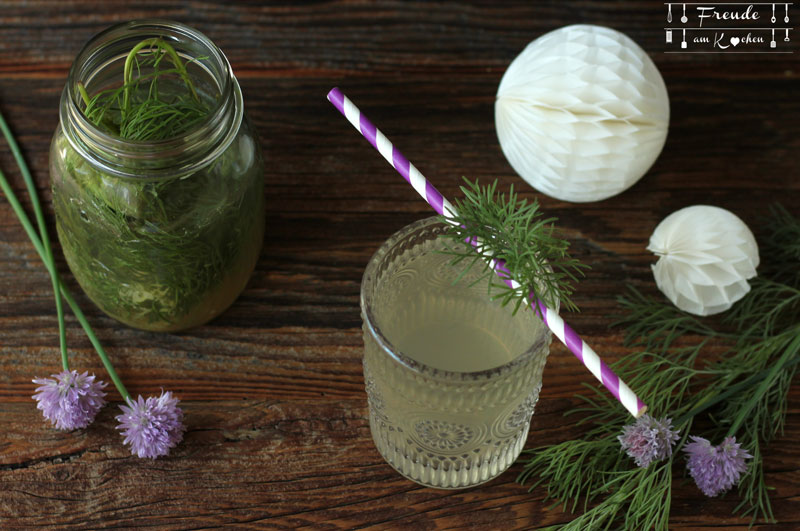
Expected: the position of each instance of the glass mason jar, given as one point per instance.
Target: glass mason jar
(161, 234)
(451, 376)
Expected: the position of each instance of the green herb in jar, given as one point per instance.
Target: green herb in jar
(167, 253)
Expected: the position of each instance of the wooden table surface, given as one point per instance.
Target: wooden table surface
(278, 434)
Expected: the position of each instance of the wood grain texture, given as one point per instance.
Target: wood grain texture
(276, 412)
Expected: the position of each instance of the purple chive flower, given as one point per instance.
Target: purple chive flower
(153, 426)
(648, 440)
(69, 400)
(715, 469)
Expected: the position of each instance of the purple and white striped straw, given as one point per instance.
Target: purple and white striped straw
(442, 206)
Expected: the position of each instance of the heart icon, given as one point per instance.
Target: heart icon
(734, 41)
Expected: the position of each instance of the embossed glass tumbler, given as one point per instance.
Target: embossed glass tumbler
(451, 376)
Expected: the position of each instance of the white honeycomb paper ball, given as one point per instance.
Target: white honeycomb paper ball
(706, 254)
(582, 113)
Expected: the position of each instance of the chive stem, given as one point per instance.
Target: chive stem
(42, 247)
(47, 257)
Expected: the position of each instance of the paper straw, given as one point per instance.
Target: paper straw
(442, 206)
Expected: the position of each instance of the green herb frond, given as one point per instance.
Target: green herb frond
(513, 230)
(782, 244)
(654, 326)
(139, 109)
(776, 307)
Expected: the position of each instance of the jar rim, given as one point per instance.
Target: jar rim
(368, 282)
(216, 131)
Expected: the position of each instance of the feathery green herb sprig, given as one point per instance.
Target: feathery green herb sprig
(513, 230)
(743, 392)
(784, 244)
(140, 109)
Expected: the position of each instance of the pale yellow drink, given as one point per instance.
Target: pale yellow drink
(451, 377)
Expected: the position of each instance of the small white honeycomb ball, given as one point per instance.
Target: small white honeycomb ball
(706, 255)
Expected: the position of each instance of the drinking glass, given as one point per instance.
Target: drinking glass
(451, 376)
